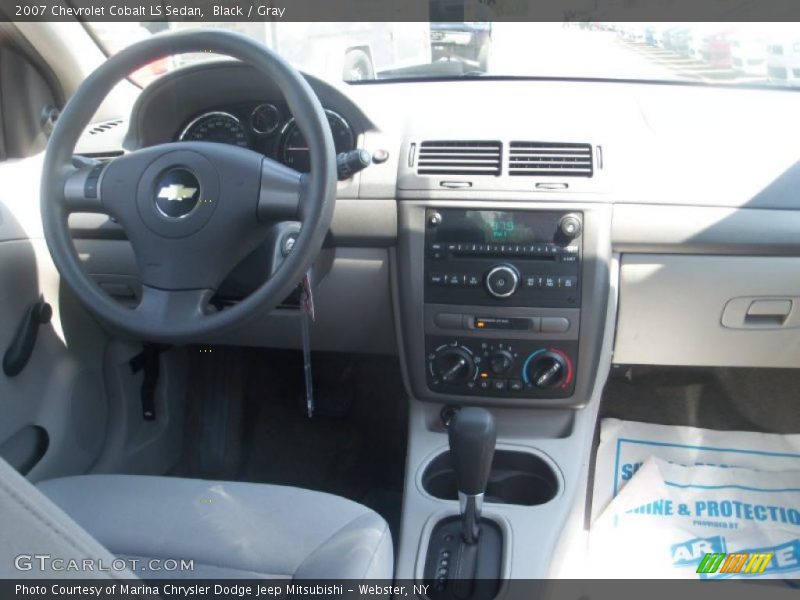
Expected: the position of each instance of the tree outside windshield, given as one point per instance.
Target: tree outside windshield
(731, 53)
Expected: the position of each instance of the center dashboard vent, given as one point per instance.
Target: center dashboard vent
(546, 159)
(460, 158)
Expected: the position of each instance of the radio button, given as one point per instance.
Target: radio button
(569, 258)
(449, 321)
(473, 280)
(570, 226)
(436, 279)
(437, 251)
(502, 281)
(567, 283)
(549, 283)
(555, 325)
(532, 281)
(455, 279)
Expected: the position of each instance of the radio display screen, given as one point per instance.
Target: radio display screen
(489, 226)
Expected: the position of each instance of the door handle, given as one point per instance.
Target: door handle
(21, 347)
(754, 312)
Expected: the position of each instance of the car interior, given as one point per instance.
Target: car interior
(289, 327)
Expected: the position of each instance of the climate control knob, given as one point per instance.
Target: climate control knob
(545, 369)
(502, 281)
(453, 365)
(501, 362)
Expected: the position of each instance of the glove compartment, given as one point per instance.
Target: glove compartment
(705, 310)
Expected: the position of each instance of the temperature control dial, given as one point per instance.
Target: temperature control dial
(547, 369)
(453, 365)
(501, 362)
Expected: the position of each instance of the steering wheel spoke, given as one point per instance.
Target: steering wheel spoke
(282, 193)
(173, 306)
(82, 189)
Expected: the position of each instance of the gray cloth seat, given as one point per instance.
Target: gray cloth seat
(229, 529)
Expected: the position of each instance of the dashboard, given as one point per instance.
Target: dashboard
(265, 127)
(665, 194)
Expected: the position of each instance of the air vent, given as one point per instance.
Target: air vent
(460, 158)
(545, 159)
(105, 126)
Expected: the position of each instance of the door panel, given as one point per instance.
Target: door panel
(52, 414)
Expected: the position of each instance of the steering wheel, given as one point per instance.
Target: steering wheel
(191, 210)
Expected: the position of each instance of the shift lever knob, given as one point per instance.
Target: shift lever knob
(472, 435)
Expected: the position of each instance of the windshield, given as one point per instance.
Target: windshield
(731, 53)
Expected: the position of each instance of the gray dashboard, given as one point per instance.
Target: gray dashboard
(685, 170)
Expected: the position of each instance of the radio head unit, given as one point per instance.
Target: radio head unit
(503, 257)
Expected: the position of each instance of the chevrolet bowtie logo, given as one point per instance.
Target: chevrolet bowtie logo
(176, 192)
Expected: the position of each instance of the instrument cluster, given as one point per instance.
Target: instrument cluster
(266, 128)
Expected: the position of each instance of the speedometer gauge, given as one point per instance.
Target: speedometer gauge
(220, 127)
(293, 149)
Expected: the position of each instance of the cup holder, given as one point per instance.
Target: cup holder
(516, 478)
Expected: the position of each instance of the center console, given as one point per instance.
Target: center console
(495, 301)
(502, 304)
(527, 266)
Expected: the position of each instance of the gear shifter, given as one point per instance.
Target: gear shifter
(472, 435)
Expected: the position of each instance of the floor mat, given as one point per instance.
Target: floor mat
(762, 400)
(354, 447)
